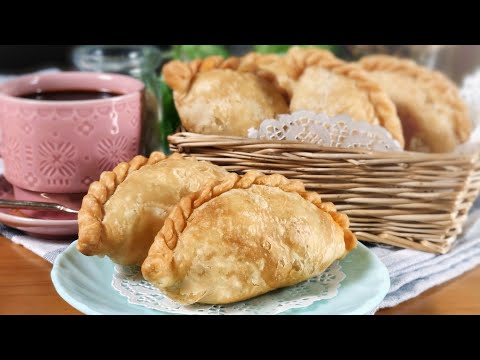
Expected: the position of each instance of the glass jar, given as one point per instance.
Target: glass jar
(141, 62)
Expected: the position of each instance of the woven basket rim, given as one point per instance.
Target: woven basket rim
(406, 199)
(202, 140)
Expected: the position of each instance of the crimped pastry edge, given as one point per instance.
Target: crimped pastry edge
(444, 86)
(300, 59)
(90, 228)
(260, 60)
(179, 75)
(160, 255)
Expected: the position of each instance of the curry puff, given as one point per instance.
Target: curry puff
(215, 96)
(326, 84)
(125, 209)
(433, 115)
(245, 237)
(275, 64)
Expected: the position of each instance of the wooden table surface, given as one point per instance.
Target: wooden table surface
(26, 288)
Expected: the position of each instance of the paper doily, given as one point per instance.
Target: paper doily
(320, 129)
(128, 280)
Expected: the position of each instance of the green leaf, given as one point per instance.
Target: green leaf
(271, 49)
(170, 119)
(192, 52)
(281, 49)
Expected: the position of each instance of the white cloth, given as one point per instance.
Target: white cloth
(411, 272)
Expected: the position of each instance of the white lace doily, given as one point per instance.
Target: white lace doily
(129, 282)
(321, 129)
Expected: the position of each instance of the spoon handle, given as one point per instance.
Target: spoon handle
(21, 204)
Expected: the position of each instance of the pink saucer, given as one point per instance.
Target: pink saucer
(45, 228)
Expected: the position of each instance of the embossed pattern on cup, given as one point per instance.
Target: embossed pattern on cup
(60, 146)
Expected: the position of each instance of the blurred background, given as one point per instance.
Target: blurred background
(145, 61)
(455, 60)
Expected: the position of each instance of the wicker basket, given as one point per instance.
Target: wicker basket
(410, 200)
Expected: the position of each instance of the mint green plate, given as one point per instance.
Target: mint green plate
(86, 284)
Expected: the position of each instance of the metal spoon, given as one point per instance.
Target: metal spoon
(33, 205)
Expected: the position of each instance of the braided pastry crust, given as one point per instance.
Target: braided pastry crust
(327, 84)
(224, 96)
(179, 75)
(244, 237)
(433, 115)
(274, 64)
(124, 210)
(299, 59)
(90, 216)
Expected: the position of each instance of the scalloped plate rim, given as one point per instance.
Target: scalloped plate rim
(65, 290)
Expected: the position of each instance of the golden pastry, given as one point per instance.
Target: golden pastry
(245, 237)
(223, 97)
(328, 85)
(275, 64)
(125, 209)
(434, 117)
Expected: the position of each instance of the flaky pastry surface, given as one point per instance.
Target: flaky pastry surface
(326, 84)
(224, 97)
(124, 210)
(434, 118)
(245, 237)
(275, 64)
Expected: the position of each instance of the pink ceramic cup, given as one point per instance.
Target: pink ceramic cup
(54, 149)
